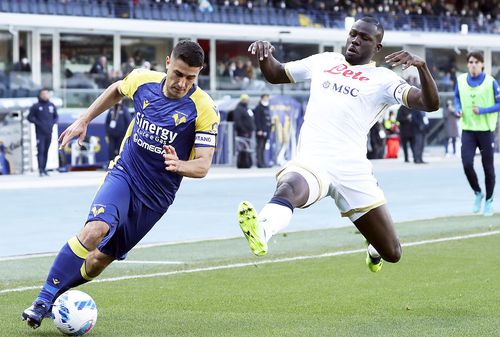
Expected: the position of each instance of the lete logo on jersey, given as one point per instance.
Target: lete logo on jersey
(342, 69)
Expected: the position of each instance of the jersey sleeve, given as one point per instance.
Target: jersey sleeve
(136, 78)
(207, 121)
(301, 70)
(396, 89)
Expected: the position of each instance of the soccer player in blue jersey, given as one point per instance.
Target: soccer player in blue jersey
(172, 135)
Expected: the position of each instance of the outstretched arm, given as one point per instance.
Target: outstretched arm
(78, 128)
(427, 98)
(272, 69)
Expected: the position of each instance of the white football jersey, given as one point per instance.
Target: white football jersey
(345, 101)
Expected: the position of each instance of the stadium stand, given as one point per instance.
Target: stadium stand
(233, 73)
(480, 16)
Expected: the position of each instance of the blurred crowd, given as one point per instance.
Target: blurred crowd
(487, 8)
(239, 73)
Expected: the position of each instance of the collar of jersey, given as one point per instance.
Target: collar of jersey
(369, 64)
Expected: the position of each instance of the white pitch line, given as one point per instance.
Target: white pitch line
(26, 256)
(263, 262)
(150, 262)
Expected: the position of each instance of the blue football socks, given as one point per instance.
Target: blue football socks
(67, 271)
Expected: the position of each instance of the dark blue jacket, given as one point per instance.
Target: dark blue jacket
(44, 115)
(418, 121)
(262, 115)
(121, 118)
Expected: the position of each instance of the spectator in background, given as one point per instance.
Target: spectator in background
(392, 130)
(118, 119)
(376, 141)
(22, 66)
(99, 71)
(100, 66)
(451, 119)
(129, 66)
(262, 115)
(205, 6)
(240, 72)
(230, 70)
(115, 75)
(249, 70)
(244, 118)
(477, 100)
(44, 115)
(447, 81)
(405, 130)
(4, 162)
(244, 125)
(419, 123)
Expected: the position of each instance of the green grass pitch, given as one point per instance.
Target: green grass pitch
(217, 288)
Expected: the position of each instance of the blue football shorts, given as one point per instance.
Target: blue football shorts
(128, 218)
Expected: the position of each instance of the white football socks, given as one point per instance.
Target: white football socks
(373, 252)
(274, 218)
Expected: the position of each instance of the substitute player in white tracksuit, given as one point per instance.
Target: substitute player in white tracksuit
(348, 94)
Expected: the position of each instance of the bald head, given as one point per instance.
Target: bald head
(364, 41)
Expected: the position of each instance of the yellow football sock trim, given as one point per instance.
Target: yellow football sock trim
(77, 248)
(83, 271)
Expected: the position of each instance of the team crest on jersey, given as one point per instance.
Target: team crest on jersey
(179, 117)
(145, 104)
(214, 128)
(97, 209)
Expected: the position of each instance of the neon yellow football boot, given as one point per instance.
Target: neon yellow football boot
(374, 264)
(254, 232)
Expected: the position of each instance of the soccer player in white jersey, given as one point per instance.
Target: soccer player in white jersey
(348, 95)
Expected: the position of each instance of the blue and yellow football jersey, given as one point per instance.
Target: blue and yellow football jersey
(185, 123)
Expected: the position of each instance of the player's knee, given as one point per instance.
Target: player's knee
(285, 189)
(294, 189)
(393, 254)
(93, 233)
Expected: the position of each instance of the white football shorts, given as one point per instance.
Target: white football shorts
(354, 193)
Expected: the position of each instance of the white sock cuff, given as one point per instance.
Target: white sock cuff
(373, 252)
(274, 218)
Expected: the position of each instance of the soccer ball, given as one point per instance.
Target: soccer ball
(74, 313)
